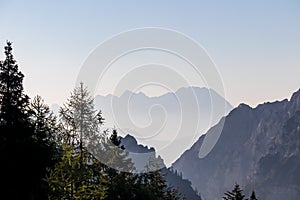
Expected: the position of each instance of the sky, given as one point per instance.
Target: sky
(254, 44)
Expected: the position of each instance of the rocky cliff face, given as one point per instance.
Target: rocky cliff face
(258, 149)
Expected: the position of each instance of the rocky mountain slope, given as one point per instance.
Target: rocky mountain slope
(259, 148)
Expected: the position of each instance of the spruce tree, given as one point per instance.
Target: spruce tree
(118, 168)
(235, 194)
(21, 172)
(115, 139)
(45, 128)
(13, 102)
(43, 121)
(15, 132)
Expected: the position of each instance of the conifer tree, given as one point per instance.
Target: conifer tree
(78, 174)
(235, 194)
(21, 171)
(15, 131)
(79, 118)
(153, 182)
(119, 169)
(13, 100)
(43, 121)
(123, 183)
(46, 150)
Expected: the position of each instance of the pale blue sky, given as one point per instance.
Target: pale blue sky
(255, 44)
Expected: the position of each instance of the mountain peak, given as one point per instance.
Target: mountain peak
(243, 105)
(130, 139)
(296, 96)
(132, 145)
(128, 93)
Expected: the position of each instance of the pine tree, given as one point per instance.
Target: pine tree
(235, 194)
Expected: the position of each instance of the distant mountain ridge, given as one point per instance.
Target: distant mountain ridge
(170, 123)
(259, 148)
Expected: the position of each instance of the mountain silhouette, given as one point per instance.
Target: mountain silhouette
(259, 148)
(170, 123)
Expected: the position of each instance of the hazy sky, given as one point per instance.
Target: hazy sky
(255, 44)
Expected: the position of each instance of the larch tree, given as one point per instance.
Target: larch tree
(79, 118)
(78, 174)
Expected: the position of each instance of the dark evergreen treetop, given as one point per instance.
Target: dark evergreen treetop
(24, 152)
(115, 139)
(13, 102)
(43, 120)
(235, 194)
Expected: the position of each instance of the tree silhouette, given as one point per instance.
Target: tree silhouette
(235, 194)
(43, 121)
(14, 102)
(44, 126)
(118, 167)
(21, 169)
